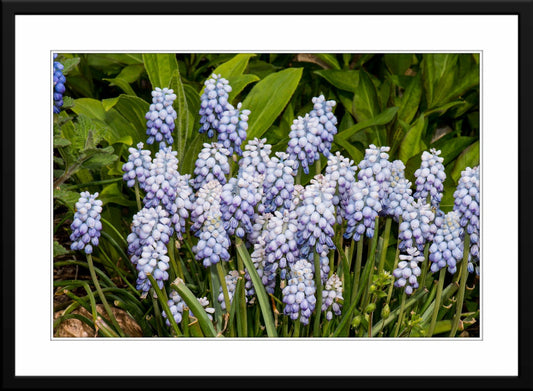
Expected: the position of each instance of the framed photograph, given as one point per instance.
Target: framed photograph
(244, 191)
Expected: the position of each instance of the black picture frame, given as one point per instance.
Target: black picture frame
(524, 9)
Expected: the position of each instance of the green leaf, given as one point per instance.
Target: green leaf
(412, 143)
(365, 99)
(59, 249)
(69, 64)
(234, 67)
(452, 147)
(160, 68)
(410, 100)
(345, 80)
(68, 197)
(112, 194)
(89, 107)
(61, 142)
(382, 118)
(239, 83)
(354, 153)
(133, 110)
(183, 131)
(398, 63)
(99, 159)
(438, 72)
(268, 98)
(444, 108)
(468, 158)
(329, 59)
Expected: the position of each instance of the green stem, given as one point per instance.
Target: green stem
(222, 279)
(296, 332)
(163, 300)
(94, 183)
(102, 296)
(461, 294)
(386, 235)
(371, 259)
(138, 196)
(357, 274)
(425, 267)
(400, 316)
(394, 266)
(318, 307)
(442, 274)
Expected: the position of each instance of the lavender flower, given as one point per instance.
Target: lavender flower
(138, 166)
(376, 166)
(278, 185)
(161, 116)
(232, 128)
(182, 205)
(362, 209)
(323, 110)
(430, 178)
(331, 294)
(299, 294)
(214, 102)
(59, 85)
(151, 232)
(408, 270)
(305, 137)
(256, 155)
(213, 243)
(161, 185)
(212, 163)
(86, 225)
(399, 197)
(418, 226)
(447, 246)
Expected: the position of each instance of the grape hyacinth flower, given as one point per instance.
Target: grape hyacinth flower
(323, 110)
(150, 233)
(316, 218)
(182, 205)
(238, 200)
(447, 246)
(212, 163)
(161, 185)
(418, 226)
(177, 305)
(467, 204)
(213, 240)
(258, 259)
(231, 283)
(59, 85)
(341, 172)
(408, 270)
(161, 116)
(376, 166)
(214, 102)
(305, 137)
(137, 168)
(362, 208)
(397, 170)
(86, 225)
(256, 155)
(430, 178)
(232, 128)
(399, 198)
(299, 294)
(331, 294)
(278, 184)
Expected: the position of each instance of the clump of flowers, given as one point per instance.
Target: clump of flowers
(430, 178)
(278, 184)
(408, 270)
(362, 208)
(256, 155)
(232, 128)
(341, 172)
(299, 294)
(161, 116)
(59, 85)
(214, 102)
(323, 110)
(447, 246)
(399, 198)
(86, 225)
(376, 167)
(331, 295)
(212, 163)
(418, 226)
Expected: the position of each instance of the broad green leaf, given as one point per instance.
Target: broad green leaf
(444, 108)
(109, 103)
(365, 100)
(133, 109)
(239, 83)
(182, 129)
(69, 64)
(346, 99)
(59, 249)
(261, 68)
(468, 158)
(92, 108)
(465, 76)
(410, 100)
(61, 142)
(234, 67)
(329, 59)
(398, 63)
(345, 80)
(438, 71)
(452, 147)
(160, 68)
(99, 160)
(412, 143)
(67, 197)
(112, 194)
(382, 118)
(354, 153)
(268, 98)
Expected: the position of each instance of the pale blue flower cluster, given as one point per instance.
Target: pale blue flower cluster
(341, 172)
(86, 225)
(299, 294)
(212, 163)
(399, 198)
(256, 155)
(59, 85)
(316, 218)
(161, 116)
(137, 168)
(179, 209)
(376, 167)
(214, 102)
(430, 178)
(323, 110)
(231, 283)
(150, 233)
(408, 270)
(362, 208)
(177, 306)
(447, 246)
(232, 128)
(278, 185)
(331, 295)
(281, 248)
(213, 243)
(161, 184)
(418, 226)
